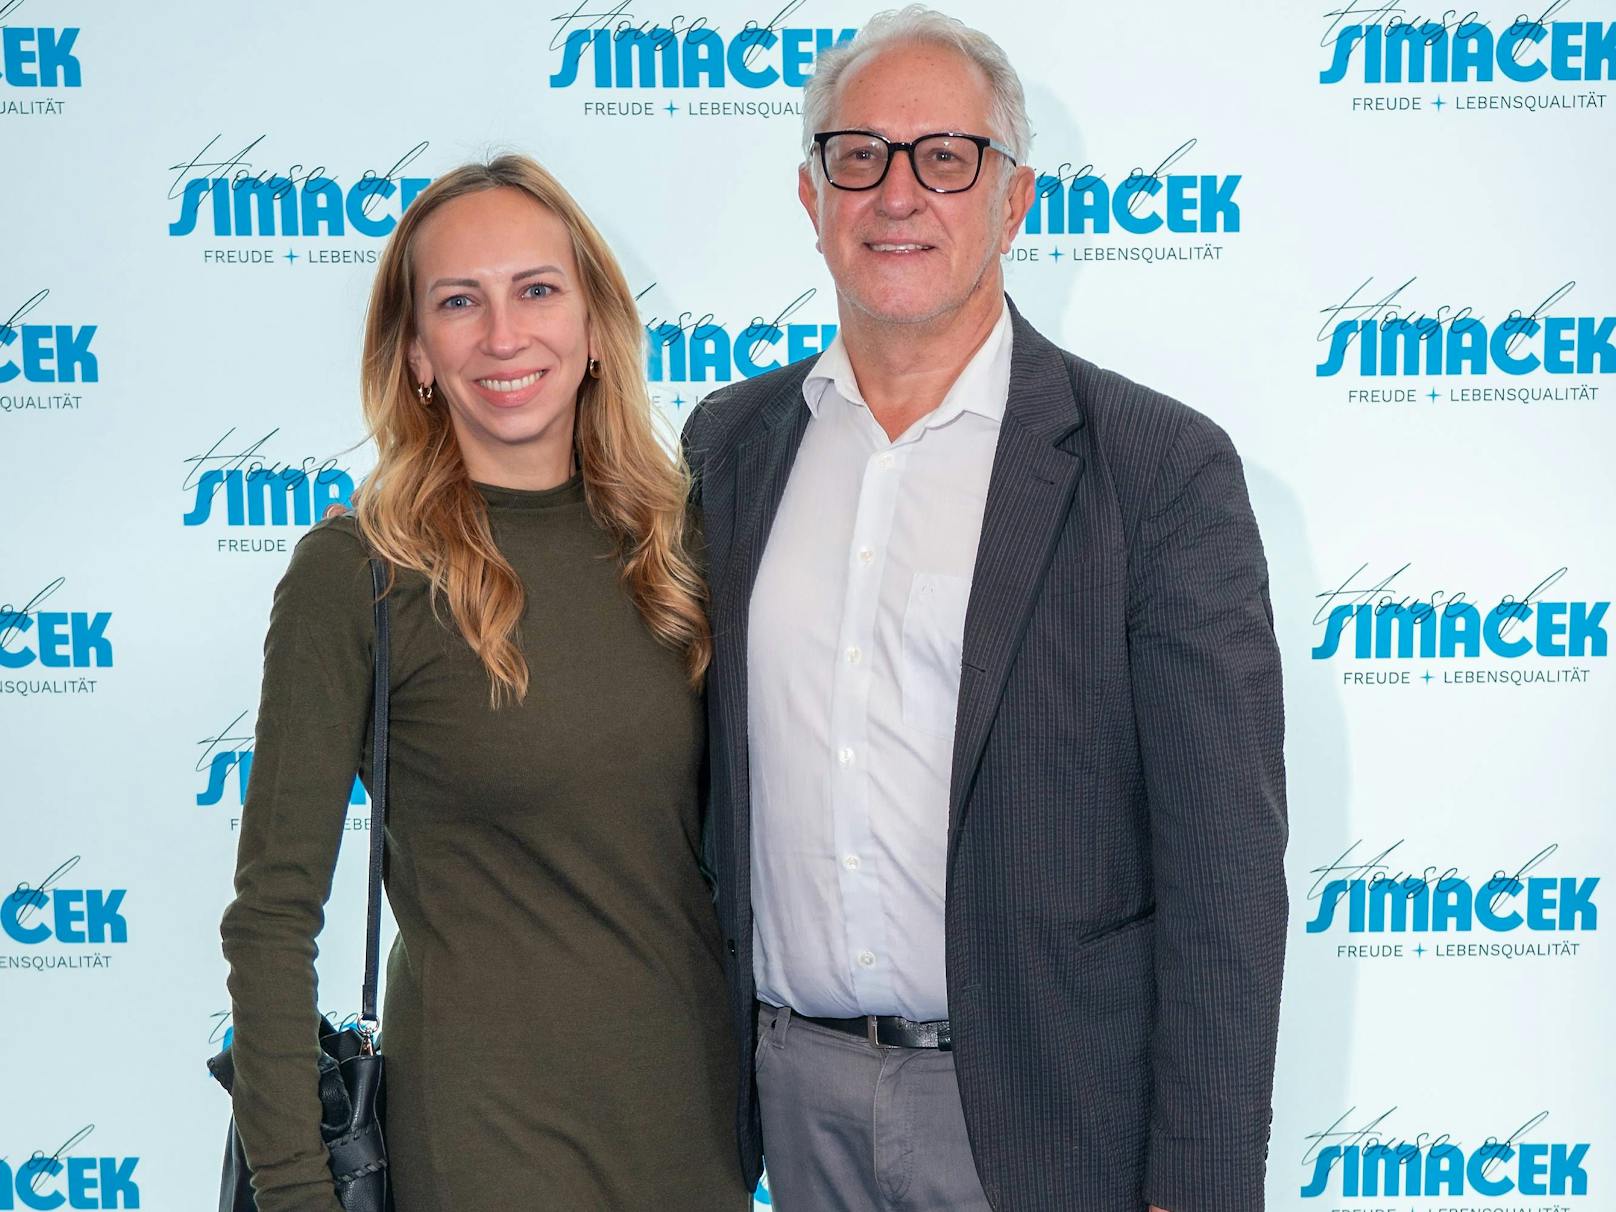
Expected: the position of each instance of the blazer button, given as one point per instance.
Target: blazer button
(731, 943)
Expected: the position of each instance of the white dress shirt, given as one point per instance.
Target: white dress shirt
(856, 626)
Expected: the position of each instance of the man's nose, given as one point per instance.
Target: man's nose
(900, 193)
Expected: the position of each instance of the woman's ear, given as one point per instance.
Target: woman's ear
(420, 367)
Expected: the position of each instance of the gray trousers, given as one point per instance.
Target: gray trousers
(851, 1126)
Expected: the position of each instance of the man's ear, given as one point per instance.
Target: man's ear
(808, 194)
(1021, 195)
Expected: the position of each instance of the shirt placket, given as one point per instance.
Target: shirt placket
(858, 873)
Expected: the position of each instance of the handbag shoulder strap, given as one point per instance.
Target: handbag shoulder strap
(378, 795)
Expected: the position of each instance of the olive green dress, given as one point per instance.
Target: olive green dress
(555, 1021)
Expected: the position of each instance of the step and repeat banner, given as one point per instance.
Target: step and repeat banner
(1375, 245)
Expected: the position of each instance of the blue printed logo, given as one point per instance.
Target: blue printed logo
(36, 57)
(619, 62)
(1384, 338)
(1376, 901)
(683, 54)
(699, 349)
(1364, 621)
(236, 484)
(40, 354)
(1374, 44)
(1162, 201)
(64, 1179)
(1370, 1162)
(227, 196)
(37, 639)
(62, 919)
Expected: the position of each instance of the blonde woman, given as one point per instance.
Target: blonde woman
(556, 1030)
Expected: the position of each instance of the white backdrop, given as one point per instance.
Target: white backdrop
(1450, 180)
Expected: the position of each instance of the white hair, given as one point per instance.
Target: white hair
(916, 23)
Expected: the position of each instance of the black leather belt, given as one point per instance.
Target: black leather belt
(889, 1029)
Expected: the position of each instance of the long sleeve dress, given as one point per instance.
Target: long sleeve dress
(555, 1020)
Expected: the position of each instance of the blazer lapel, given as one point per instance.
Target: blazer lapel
(1029, 493)
(762, 464)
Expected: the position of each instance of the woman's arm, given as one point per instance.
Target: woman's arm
(310, 740)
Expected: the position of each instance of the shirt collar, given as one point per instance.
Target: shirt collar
(982, 387)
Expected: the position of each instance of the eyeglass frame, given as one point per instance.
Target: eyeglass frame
(983, 143)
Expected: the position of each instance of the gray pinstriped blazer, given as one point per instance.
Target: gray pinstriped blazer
(1115, 902)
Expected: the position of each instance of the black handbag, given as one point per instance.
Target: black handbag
(352, 1102)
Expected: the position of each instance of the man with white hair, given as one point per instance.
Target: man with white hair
(997, 803)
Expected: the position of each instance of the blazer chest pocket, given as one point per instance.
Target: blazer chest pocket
(1099, 570)
(933, 644)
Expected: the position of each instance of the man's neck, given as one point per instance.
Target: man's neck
(905, 370)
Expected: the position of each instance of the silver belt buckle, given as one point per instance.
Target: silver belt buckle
(870, 1031)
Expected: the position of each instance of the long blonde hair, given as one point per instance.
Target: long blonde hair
(419, 510)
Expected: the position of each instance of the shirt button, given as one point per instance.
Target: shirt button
(865, 555)
(845, 755)
(867, 958)
(853, 654)
(886, 460)
(851, 862)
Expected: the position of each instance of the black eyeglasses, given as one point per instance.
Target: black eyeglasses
(945, 163)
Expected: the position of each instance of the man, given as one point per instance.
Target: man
(997, 796)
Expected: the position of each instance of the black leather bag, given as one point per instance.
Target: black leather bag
(352, 1101)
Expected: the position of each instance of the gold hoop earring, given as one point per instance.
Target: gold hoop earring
(594, 368)
(423, 393)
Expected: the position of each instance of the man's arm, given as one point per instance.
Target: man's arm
(1206, 686)
(692, 452)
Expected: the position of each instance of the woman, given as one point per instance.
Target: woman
(555, 1019)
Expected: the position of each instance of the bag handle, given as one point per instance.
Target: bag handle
(368, 1022)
